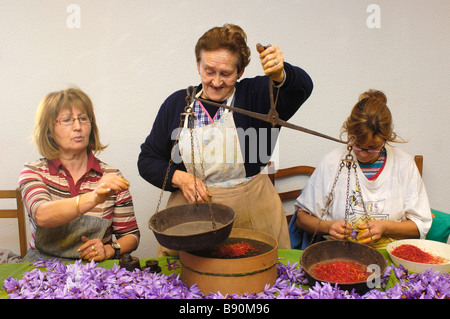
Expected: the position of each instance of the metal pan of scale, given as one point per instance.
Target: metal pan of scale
(189, 226)
(343, 250)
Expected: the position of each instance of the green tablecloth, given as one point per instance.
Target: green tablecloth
(17, 270)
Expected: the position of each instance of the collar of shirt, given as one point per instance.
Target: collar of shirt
(204, 117)
(55, 164)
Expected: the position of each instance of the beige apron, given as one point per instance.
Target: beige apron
(254, 200)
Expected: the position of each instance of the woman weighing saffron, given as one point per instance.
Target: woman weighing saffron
(234, 176)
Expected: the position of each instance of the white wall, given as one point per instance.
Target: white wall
(130, 55)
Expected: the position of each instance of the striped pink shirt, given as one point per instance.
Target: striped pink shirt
(48, 180)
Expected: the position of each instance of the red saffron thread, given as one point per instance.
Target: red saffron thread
(234, 250)
(415, 254)
(340, 272)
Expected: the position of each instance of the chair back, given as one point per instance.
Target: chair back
(18, 213)
(286, 173)
(291, 171)
(419, 162)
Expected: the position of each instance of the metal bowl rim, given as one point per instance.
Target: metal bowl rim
(194, 234)
(383, 267)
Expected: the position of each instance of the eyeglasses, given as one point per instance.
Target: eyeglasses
(373, 150)
(66, 121)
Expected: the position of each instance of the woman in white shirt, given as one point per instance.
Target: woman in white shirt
(391, 188)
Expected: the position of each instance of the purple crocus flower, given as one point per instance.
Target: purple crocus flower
(375, 294)
(11, 285)
(172, 265)
(88, 280)
(400, 272)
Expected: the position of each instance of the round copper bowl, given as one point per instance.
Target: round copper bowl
(344, 250)
(189, 226)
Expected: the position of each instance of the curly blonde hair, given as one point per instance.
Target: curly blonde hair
(370, 122)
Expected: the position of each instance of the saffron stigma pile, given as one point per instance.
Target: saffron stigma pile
(78, 280)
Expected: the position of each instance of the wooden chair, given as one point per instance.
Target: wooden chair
(308, 170)
(288, 172)
(291, 171)
(419, 162)
(16, 213)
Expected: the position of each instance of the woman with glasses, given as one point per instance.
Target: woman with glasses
(390, 202)
(75, 202)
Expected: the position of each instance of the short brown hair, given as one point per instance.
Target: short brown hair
(230, 37)
(370, 121)
(49, 108)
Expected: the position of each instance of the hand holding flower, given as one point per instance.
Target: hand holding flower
(339, 230)
(109, 184)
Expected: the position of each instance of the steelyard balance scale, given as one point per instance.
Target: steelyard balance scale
(197, 226)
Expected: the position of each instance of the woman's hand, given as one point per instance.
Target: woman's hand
(371, 231)
(109, 184)
(339, 230)
(376, 229)
(192, 187)
(272, 61)
(92, 249)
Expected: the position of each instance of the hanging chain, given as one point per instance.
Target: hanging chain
(194, 170)
(191, 117)
(191, 122)
(359, 190)
(166, 177)
(329, 200)
(350, 163)
(187, 111)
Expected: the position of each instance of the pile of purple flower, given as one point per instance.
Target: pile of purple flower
(89, 281)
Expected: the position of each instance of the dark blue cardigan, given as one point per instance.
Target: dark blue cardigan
(252, 94)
